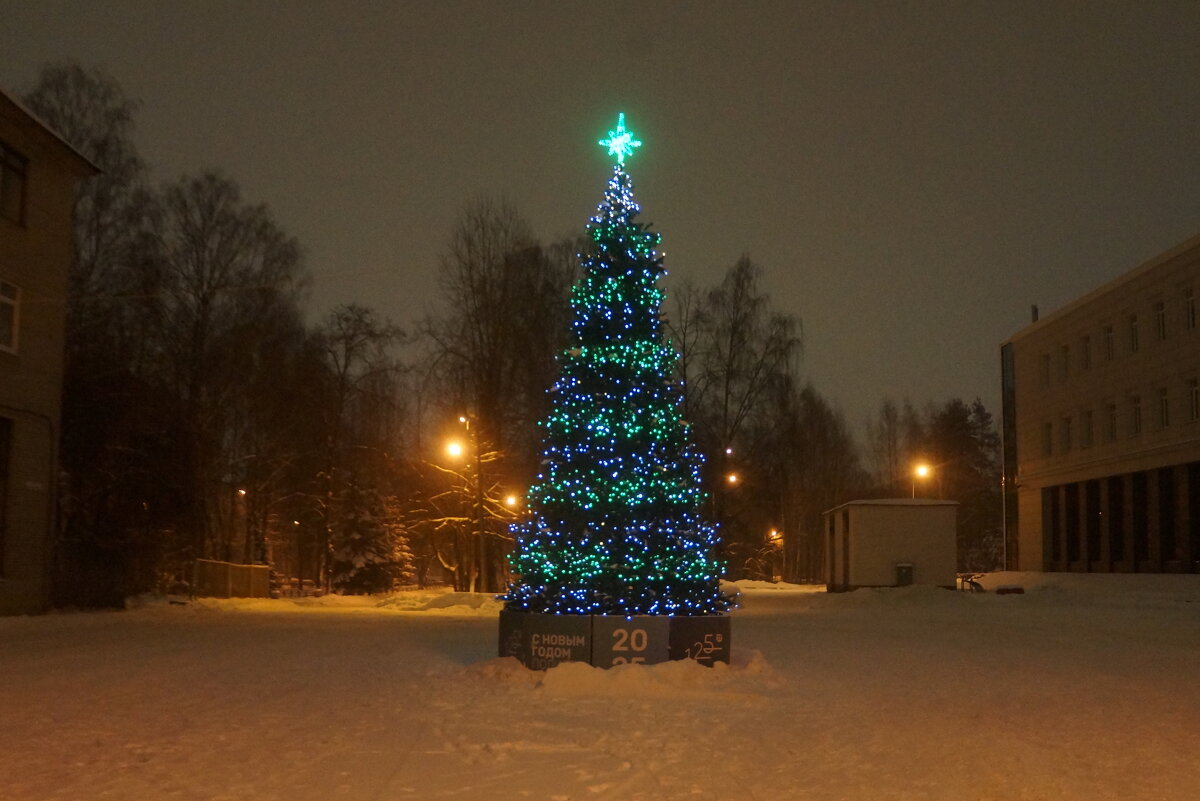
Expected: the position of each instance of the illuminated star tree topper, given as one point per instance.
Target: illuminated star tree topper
(620, 143)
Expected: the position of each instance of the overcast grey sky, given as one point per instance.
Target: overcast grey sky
(911, 175)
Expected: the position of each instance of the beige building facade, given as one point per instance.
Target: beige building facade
(1101, 419)
(37, 178)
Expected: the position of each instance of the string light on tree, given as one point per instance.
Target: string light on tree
(614, 524)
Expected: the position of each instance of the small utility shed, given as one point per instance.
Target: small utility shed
(890, 542)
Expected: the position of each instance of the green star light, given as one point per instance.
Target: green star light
(620, 143)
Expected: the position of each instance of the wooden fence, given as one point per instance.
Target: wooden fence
(211, 579)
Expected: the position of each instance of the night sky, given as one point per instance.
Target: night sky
(911, 175)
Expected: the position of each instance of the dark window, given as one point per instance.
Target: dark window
(1135, 415)
(1072, 522)
(6, 427)
(1110, 347)
(1085, 353)
(1087, 429)
(1064, 362)
(12, 184)
(1052, 504)
(1047, 439)
(1091, 500)
(1134, 341)
(1116, 519)
(1110, 426)
(1160, 320)
(1193, 479)
(1164, 407)
(1193, 399)
(1189, 308)
(1141, 517)
(1166, 514)
(10, 315)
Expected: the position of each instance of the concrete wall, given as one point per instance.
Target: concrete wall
(35, 255)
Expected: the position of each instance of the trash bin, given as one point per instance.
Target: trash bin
(904, 574)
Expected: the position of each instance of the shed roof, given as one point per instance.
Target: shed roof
(894, 502)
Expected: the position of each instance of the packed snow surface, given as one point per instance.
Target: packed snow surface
(1082, 687)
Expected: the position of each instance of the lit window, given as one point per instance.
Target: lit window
(1135, 415)
(1164, 408)
(1160, 320)
(10, 315)
(12, 184)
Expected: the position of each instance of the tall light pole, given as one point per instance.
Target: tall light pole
(921, 471)
(478, 549)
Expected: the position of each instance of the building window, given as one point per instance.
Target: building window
(1087, 429)
(1047, 439)
(1134, 344)
(1110, 426)
(1193, 386)
(1064, 362)
(1085, 353)
(1189, 308)
(6, 427)
(1067, 444)
(12, 184)
(1160, 320)
(1110, 343)
(1164, 408)
(10, 315)
(1135, 415)
(1045, 369)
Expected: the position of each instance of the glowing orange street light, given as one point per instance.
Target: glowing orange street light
(454, 449)
(921, 471)
(732, 479)
(512, 501)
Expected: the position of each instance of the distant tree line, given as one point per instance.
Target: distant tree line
(204, 417)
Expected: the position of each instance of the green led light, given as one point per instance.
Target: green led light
(620, 143)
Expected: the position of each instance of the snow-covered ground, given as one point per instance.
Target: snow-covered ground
(1084, 687)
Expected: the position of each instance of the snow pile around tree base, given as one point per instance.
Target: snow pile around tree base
(1083, 687)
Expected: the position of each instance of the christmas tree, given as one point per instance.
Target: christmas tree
(614, 524)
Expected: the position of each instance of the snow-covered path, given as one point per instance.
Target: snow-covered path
(1076, 690)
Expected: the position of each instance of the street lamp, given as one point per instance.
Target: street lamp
(921, 471)
(732, 479)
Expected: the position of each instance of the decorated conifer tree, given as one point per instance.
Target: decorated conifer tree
(614, 523)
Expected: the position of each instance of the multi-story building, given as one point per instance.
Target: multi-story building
(38, 171)
(1102, 426)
